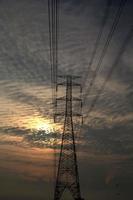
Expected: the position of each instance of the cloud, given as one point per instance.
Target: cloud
(106, 139)
(22, 137)
(26, 161)
(25, 55)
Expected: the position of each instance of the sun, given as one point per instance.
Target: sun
(38, 123)
(44, 125)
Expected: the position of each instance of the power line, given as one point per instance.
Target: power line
(115, 64)
(100, 33)
(53, 17)
(107, 43)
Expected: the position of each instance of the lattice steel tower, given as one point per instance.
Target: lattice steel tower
(67, 174)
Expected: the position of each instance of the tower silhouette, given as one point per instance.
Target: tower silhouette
(67, 173)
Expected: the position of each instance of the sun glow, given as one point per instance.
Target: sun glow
(39, 123)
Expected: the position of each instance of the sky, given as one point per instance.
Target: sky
(105, 143)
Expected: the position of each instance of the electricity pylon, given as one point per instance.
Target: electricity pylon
(67, 173)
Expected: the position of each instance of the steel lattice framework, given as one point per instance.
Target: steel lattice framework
(67, 174)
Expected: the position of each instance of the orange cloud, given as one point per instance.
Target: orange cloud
(30, 163)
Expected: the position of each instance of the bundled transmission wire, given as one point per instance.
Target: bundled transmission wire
(106, 45)
(115, 64)
(53, 18)
(53, 15)
(100, 33)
